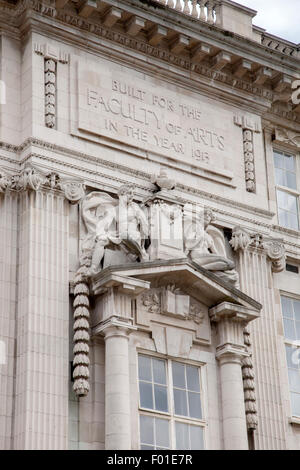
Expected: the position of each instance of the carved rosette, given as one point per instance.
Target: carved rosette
(249, 385)
(81, 337)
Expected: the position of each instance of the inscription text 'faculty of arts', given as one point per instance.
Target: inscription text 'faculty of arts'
(148, 120)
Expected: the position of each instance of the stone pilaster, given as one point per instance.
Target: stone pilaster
(258, 259)
(231, 320)
(42, 311)
(8, 290)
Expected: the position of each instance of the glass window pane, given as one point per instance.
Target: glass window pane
(295, 399)
(289, 162)
(293, 222)
(146, 395)
(178, 375)
(281, 199)
(159, 371)
(283, 218)
(280, 177)
(278, 160)
(287, 307)
(294, 379)
(145, 368)
(297, 323)
(192, 377)
(162, 432)
(182, 436)
(196, 433)
(291, 204)
(291, 180)
(161, 399)
(143, 447)
(147, 429)
(296, 305)
(289, 329)
(180, 402)
(194, 405)
(291, 357)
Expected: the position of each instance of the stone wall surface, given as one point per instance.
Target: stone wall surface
(153, 109)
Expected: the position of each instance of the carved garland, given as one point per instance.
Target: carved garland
(249, 385)
(81, 337)
(50, 92)
(248, 127)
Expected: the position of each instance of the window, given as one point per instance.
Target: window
(291, 321)
(170, 405)
(287, 195)
(291, 268)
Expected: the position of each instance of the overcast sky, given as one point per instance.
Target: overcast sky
(279, 17)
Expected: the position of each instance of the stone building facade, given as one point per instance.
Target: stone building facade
(149, 228)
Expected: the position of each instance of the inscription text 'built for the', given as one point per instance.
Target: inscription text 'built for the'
(151, 118)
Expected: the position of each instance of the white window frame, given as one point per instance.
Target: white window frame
(286, 189)
(289, 342)
(170, 415)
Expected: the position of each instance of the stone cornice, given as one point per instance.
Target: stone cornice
(123, 169)
(217, 37)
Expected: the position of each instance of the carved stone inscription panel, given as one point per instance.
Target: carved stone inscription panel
(153, 116)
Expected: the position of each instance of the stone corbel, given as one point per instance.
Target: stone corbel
(31, 178)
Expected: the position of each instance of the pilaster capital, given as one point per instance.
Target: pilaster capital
(31, 178)
(275, 251)
(240, 239)
(273, 247)
(229, 354)
(231, 320)
(114, 328)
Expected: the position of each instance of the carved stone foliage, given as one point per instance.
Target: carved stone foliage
(248, 126)
(274, 248)
(31, 178)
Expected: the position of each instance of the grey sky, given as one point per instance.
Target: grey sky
(279, 17)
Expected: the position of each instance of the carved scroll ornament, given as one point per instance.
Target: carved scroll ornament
(30, 178)
(274, 248)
